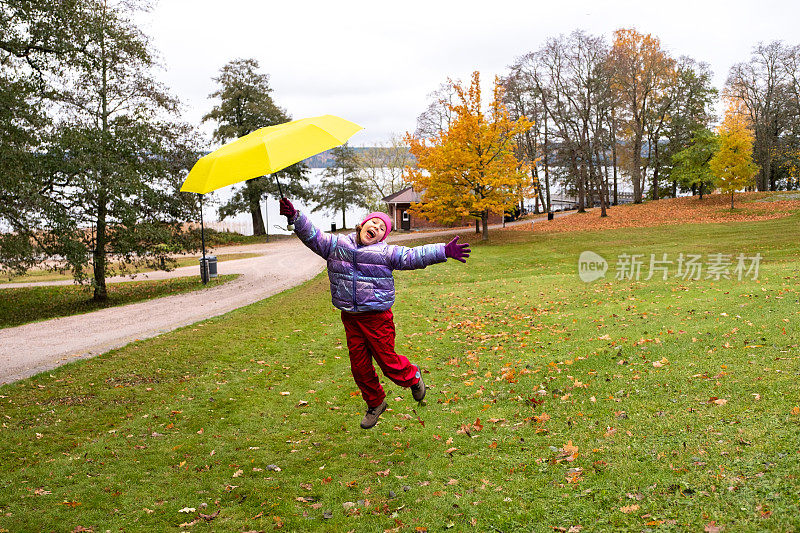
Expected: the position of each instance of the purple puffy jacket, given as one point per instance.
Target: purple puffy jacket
(361, 276)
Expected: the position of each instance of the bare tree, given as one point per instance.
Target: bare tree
(383, 166)
(759, 85)
(438, 116)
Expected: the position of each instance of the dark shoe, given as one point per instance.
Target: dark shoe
(418, 390)
(371, 418)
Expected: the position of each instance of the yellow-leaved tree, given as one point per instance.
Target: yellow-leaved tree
(470, 169)
(733, 163)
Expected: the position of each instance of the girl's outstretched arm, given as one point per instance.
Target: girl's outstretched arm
(320, 243)
(403, 258)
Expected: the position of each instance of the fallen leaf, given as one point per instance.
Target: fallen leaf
(187, 510)
(629, 508)
(209, 517)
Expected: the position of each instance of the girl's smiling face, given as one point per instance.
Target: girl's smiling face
(372, 231)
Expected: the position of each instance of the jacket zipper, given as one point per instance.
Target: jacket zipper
(355, 274)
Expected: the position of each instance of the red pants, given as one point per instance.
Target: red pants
(371, 335)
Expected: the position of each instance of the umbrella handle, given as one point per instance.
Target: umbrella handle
(289, 227)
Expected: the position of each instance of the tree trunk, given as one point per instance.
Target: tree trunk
(485, 224)
(655, 173)
(614, 156)
(258, 220)
(254, 200)
(763, 152)
(605, 176)
(477, 226)
(99, 253)
(731, 200)
(637, 168)
(578, 173)
(600, 184)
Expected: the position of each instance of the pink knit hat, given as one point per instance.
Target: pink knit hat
(382, 216)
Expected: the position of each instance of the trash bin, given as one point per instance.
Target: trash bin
(209, 269)
(550, 216)
(333, 227)
(212, 266)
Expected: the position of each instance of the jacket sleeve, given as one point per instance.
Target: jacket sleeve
(320, 243)
(403, 258)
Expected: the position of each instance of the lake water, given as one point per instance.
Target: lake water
(242, 223)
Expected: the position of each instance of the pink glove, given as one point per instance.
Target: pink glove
(456, 251)
(287, 209)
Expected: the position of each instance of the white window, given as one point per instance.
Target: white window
(406, 218)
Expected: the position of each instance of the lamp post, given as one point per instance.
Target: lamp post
(203, 266)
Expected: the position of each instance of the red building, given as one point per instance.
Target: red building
(399, 203)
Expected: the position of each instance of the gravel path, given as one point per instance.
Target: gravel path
(33, 348)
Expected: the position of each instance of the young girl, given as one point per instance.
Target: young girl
(360, 271)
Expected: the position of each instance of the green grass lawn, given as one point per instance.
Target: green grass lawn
(31, 304)
(47, 275)
(552, 405)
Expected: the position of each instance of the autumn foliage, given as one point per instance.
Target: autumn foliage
(733, 163)
(470, 169)
(641, 75)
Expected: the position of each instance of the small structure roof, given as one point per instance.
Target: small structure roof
(404, 196)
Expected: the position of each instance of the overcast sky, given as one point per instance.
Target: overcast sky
(376, 62)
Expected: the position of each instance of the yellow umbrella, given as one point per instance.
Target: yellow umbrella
(264, 151)
(267, 150)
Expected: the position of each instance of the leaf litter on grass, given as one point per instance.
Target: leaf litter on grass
(543, 393)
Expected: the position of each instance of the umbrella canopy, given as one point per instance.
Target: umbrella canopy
(267, 150)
